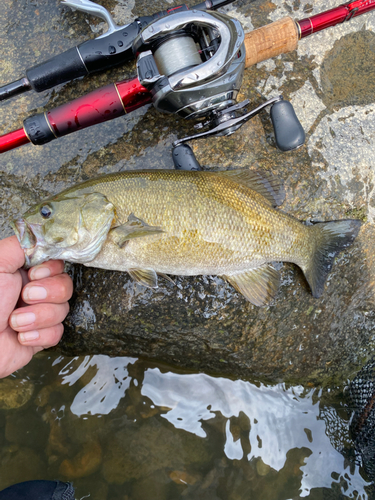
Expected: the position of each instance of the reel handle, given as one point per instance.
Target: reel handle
(184, 158)
(289, 133)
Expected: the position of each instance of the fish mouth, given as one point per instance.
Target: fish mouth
(27, 240)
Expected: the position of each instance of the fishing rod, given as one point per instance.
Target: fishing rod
(177, 78)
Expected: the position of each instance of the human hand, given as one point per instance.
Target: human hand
(33, 305)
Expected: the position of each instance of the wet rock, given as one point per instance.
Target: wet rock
(26, 429)
(43, 395)
(149, 448)
(20, 464)
(85, 463)
(92, 487)
(154, 487)
(344, 69)
(83, 429)
(183, 477)
(15, 393)
(262, 468)
(202, 323)
(57, 440)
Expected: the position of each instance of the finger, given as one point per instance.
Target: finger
(11, 255)
(25, 281)
(38, 316)
(13, 354)
(46, 270)
(11, 258)
(42, 338)
(57, 290)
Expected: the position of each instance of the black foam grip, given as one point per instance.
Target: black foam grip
(289, 133)
(60, 69)
(184, 158)
(38, 130)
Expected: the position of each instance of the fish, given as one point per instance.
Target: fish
(153, 223)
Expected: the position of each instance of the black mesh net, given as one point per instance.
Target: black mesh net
(361, 398)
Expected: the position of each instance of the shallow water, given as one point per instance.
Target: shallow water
(120, 428)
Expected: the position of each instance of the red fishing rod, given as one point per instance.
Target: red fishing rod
(165, 76)
(101, 105)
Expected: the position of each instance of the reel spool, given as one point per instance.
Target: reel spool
(176, 54)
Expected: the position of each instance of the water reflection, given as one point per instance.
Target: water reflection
(275, 429)
(104, 391)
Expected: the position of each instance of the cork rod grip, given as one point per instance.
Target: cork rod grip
(271, 40)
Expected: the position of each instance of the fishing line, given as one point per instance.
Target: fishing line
(176, 54)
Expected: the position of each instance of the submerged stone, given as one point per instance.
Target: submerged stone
(15, 393)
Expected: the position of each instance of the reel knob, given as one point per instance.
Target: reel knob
(184, 158)
(289, 133)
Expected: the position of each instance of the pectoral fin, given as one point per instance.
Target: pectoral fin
(258, 286)
(146, 277)
(133, 228)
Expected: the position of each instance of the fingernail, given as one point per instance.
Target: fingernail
(28, 336)
(40, 272)
(35, 293)
(22, 319)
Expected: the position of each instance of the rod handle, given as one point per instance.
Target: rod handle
(271, 40)
(59, 69)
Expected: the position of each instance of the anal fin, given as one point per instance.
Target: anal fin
(258, 285)
(145, 277)
(166, 277)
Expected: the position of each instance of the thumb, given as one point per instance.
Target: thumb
(11, 259)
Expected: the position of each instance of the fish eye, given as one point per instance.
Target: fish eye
(46, 212)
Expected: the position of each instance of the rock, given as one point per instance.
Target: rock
(57, 440)
(149, 448)
(202, 323)
(15, 393)
(26, 429)
(22, 464)
(183, 477)
(82, 429)
(262, 468)
(43, 395)
(92, 487)
(85, 463)
(153, 487)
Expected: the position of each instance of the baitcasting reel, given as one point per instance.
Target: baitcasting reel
(193, 62)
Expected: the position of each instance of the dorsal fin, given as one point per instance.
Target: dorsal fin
(268, 185)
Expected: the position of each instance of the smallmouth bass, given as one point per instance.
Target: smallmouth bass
(152, 222)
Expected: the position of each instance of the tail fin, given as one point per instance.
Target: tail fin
(330, 238)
